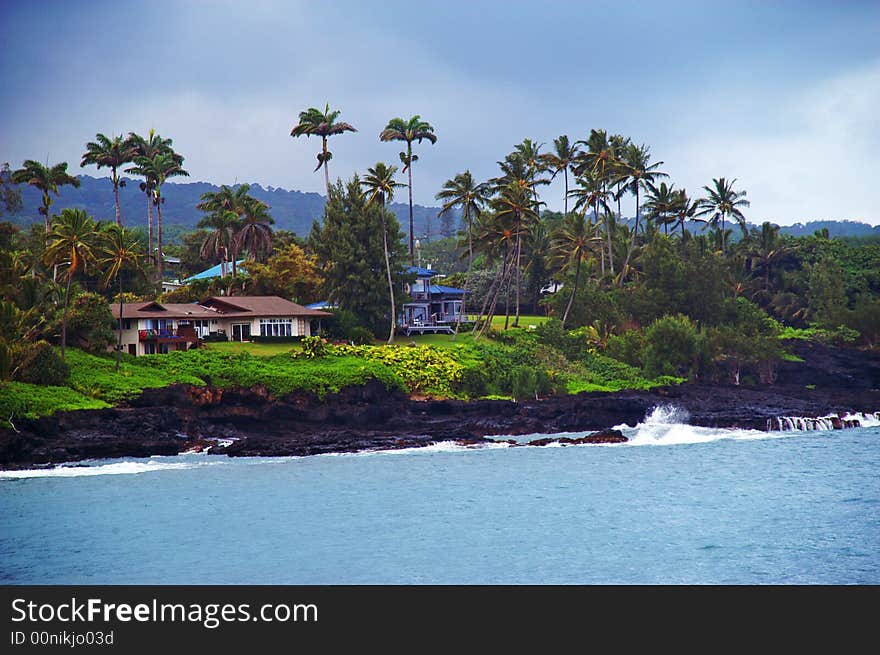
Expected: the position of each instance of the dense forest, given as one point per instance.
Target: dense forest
(685, 289)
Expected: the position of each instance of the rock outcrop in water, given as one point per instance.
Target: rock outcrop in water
(243, 422)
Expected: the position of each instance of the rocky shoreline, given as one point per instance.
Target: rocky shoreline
(250, 422)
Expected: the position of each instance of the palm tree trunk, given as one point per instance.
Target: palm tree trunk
(505, 278)
(412, 254)
(116, 194)
(388, 271)
(602, 249)
(326, 169)
(160, 259)
(149, 226)
(577, 277)
(518, 277)
(722, 235)
(565, 172)
(119, 338)
(608, 235)
(64, 316)
(632, 243)
(467, 276)
(489, 300)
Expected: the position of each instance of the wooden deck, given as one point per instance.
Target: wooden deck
(409, 330)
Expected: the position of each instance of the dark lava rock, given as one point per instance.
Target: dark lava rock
(603, 436)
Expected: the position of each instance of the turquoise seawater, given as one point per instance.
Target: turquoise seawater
(677, 505)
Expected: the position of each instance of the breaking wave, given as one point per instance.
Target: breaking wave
(667, 425)
(114, 468)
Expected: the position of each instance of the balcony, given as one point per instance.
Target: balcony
(184, 333)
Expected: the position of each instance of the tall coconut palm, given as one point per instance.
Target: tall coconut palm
(46, 179)
(463, 192)
(72, 241)
(113, 154)
(254, 235)
(222, 226)
(379, 184)
(572, 244)
(599, 161)
(315, 122)
(683, 209)
(636, 171)
(767, 249)
(721, 201)
(563, 157)
(590, 193)
(236, 200)
(149, 147)
(158, 169)
(414, 129)
(119, 250)
(516, 206)
(660, 204)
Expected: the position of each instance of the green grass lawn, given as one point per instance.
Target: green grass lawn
(258, 349)
(439, 340)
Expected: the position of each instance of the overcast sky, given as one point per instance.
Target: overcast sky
(782, 96)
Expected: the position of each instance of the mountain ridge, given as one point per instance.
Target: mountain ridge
(292, 209)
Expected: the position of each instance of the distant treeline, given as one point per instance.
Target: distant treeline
(292, 210)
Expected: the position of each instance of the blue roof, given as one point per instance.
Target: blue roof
(421, 272)
(452, 291)
(214, 271)
(324, 304)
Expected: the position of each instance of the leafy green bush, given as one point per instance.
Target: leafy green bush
(313, 347)
(670, 346)
(360, 336)
(627, 347)
(40, 363)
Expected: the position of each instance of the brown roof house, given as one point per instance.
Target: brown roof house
(151, 327)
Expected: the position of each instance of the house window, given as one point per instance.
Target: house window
(276, 327)
(126, 324)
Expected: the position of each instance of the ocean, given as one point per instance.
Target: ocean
(678, 504)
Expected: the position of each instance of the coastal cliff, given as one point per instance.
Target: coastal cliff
(249, 422)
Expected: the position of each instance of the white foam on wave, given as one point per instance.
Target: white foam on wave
(115, 468)
(865, 420)
(436, 447)
(667, 425)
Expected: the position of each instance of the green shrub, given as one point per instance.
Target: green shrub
(360, 336)
(627, 347)
(670, 346)
(313, 347)
(40, 363)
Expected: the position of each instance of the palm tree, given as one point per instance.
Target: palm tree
(149, 147)
(660, 204)
(573, 243)
(720, 202)
(72, 241)
(589, 193)
(461, 191)
(46, 179)
(218, 243)
(120, 250)
(562, 158)
(600, 163)
(313, 121)
(683, 209)
(158, 169)
(767, 249)
(415, 129)
(636, 171)
(231, 199)
(379, 184)
(112, 154)
(254, 235)
(515, 205)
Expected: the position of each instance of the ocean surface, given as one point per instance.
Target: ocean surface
(676, 505)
